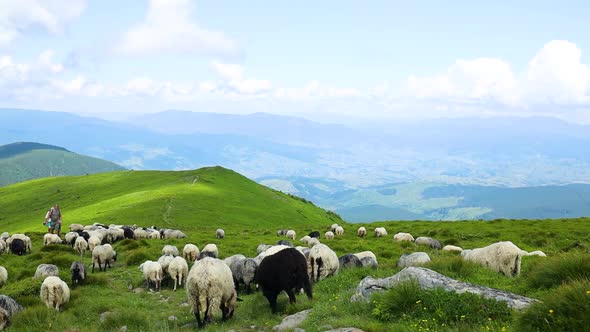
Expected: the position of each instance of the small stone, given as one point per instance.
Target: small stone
(290, 322)
(104, 315)
(172, 318)
(138, 290)
(253, 327)
(123, 328)
(130, 286)
(298, 330)
(184, 304)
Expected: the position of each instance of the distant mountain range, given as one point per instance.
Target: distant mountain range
(343, 167)
(25, 161)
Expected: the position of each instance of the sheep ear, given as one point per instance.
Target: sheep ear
(239, 300)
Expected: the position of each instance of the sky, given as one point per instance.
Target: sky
(334, 61)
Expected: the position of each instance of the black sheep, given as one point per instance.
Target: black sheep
(204, 254)
(17, 247)
(285, 243)
(78, 272)
(85, 235)
(349, 261)
(284, 271)
(315, 234)
(128, 233)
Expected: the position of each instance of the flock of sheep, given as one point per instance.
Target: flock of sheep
(212, 283)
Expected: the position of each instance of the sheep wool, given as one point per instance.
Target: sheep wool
(504, 257)
(220, 233)
(291, 234)
(169, 250)
(152, 273)
(209, 286)
(178, 270)
(329, 235)
(399, 237)
(190, 252)
(55, 293)
(80, 246)
(380, 232)
(339, 231)
(322, 262)
(8, 307)
(3, 276)
(211, 248)
(361, 232)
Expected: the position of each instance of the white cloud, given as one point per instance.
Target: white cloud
(555, 75)
(235, 84)
(168, 26)
(17, 17)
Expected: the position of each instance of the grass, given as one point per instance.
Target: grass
(200, 201)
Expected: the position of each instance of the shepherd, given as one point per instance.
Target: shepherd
(53, 219)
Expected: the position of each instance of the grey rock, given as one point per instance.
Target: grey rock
(104, 315)
(184, 304)
(428, 279)
(325, 327)
(138, 290)
(298, 330)
(346, 329)
(123, 328)
(290, 322)
(413, 259)
(172, 318)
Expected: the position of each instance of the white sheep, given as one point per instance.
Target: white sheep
(504, 257)
(536, 253)
(367, 253)
(103, 255)
(329, 235)
(305, 239)
(190, 252)
(322, 262)
(115, 234)
(291, 234)
(4, 236)
(46, 270)
(452, 248)
(173, 234)
(80, 246)
(211, 249)
(210, 286)
(76, 227)
(3, 276)
(169, 250)
(152, 272)
(8, 307)
(313, 241)
(262, 247)
(93, 241)
(2, 246)
(413, 259)
(55, 293)
(380, 232)
(333, 227)
(339, 231)
(220, 233)
(70, 238)
(178, 270)
(399, 237)
(232, 259)
(51, 239)
(140, 233)
(361, 232)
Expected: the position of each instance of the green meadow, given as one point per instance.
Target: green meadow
(200, 201)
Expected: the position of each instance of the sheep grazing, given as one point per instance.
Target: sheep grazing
(333, 228)
(232, 259)
(428, 241)
(55, 293)
(128, 233)
(413, 259)
(503, 257)
(77, 272)
(313, 241)
(349, 261)
(70, 238)
(210, 250)
(329, 235)
(380, 232)
(4, 236)
(315, 234)
(2, 246)
(115, 234)
(80, 246)
(304, 251)
(339, 231)
(284, 243)
(171, 234)
(51, 239)
(17, 247)
(3, 276)
(103, 255)
(169, 250)
(210, 286)
(449, 247)
(165, 261)
(400, 237)
(76, 227)
(8, 307)
(178, 270)
(262, 247)
(305, 239)
(244, 272)
(190, 252)
(152, 273)
(322, 262)
(361, 232)
(93, 241)
(286, 271)
(26, 240)
(281, 232)
(46, 270)
(220, 233)
(85, 235)
(367, 253)
(291, 234)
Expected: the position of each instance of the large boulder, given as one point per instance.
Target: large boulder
(428, 279)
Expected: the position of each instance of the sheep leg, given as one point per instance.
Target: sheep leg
(272, 300)
(208, 312)
(248, 289)
(92, 267)
(175, 280)
(197, 313)
(291, 295)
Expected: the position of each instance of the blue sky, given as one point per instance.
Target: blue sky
(327, 60)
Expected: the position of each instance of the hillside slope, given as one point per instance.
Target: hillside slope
(25, 161)
(206, 198)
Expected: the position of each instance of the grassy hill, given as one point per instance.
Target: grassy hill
(202, 200)
(25, 161)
